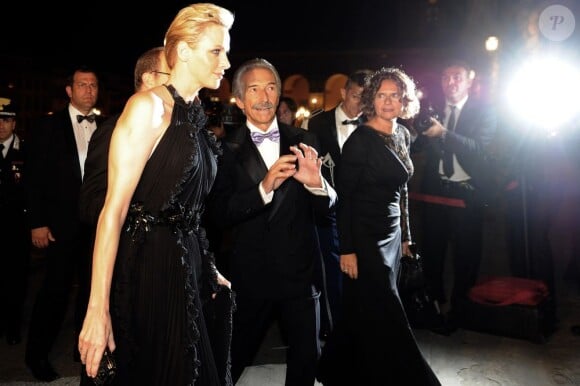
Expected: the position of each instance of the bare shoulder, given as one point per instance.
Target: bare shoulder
(148, 111)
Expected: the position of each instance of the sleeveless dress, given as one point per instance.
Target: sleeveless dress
(163, 271)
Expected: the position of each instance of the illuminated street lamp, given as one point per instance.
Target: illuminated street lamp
(491, 43)
(491, 46)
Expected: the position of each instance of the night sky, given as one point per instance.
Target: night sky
(111, 38)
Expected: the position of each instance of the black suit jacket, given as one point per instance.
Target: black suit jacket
(54, 176)
(273, 245)
(94, 186)
(323, 125)
(471, 142)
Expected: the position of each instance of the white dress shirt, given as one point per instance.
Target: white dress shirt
(343, 131)
(83, 132)
(458, 173)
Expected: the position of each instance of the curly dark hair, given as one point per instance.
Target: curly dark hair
(406, 87)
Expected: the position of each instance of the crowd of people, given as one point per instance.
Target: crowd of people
(313, 220)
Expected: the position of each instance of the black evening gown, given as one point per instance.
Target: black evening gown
(372, 343)
(164, 273)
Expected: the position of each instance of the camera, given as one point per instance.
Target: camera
(423, 120)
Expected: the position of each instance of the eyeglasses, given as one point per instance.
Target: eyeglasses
(161, 72)
(394, 97)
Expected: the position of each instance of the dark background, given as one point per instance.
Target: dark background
(111, 35)
(41, 43)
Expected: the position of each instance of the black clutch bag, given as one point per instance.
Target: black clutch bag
(411, 276)
(421, 308)
(107, 369)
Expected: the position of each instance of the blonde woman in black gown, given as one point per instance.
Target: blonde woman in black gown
(151, 268)
(373, 344)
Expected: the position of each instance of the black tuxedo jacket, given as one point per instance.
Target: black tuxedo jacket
(54, 176)
(273, 245)
(94, 186)
(323, 125)
(471, 142)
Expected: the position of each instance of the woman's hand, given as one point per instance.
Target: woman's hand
(222, 281)
(406, 249)
(96, 334)
(348, 265)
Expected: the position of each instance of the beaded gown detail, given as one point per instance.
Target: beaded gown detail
(164, 272)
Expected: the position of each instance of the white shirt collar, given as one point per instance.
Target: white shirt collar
(252, 127)
(8, 142)
(73, 111)
(459, 105)
(340, 115)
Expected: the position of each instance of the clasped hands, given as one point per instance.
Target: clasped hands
(303, 165)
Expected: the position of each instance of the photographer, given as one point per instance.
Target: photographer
(458, 173)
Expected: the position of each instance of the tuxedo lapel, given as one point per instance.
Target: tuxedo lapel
(333, 132)
(465, 117)
(249, 155)
(70, 143)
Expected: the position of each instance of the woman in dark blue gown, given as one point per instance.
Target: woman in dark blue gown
(373, 344)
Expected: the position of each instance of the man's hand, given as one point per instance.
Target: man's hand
(349, 265)
(308, 166)
(436, 130)
(41, 237)
(284, 167)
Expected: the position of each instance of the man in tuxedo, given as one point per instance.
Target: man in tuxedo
(268, 188)
(14, 232)
(55, 163)
(458, 168)
(332, 128)
(151, 70)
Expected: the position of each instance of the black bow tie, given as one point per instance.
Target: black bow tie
(351, 122)
(90, 118)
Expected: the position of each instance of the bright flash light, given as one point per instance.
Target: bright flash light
(492, 43)
(544, 93)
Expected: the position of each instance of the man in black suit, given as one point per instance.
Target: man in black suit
(14, 233)
(268, 188)
(458, 169)
(332, 128)
(151, 70)
(56, 155)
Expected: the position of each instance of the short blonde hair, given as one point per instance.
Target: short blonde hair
(189, 24)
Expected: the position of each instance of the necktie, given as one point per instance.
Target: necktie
(90, 118)
(447, 152)
(1, 151)
(351, 122)
(258, 137)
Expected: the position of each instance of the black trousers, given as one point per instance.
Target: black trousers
(14, 265)
(66, 260)
(328, 274)
(299, 319)
(460, 228)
